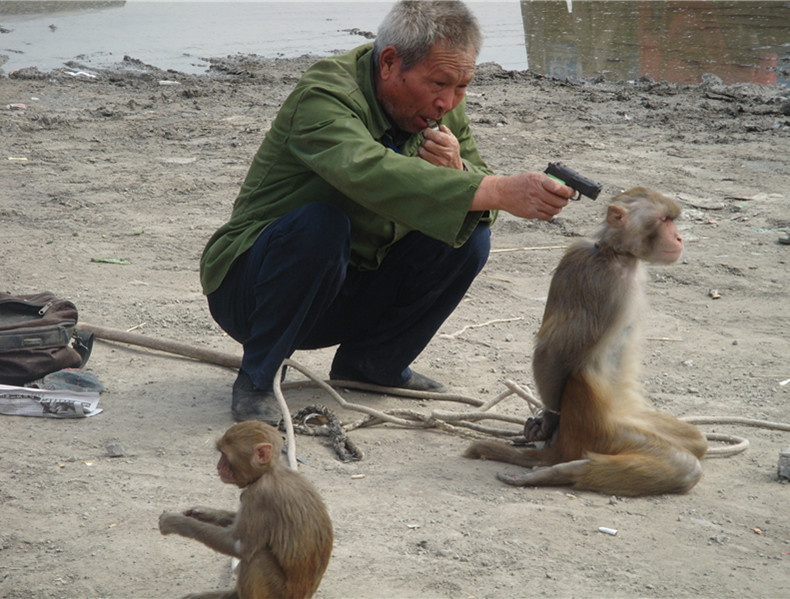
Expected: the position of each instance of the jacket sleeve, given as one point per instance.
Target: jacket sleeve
(330, 135)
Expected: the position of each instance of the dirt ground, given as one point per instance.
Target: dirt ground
(144, 165)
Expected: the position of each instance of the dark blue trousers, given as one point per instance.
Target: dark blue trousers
(294, 289)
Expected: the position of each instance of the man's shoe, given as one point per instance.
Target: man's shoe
(417, 382)
(250, 403)
(420, 382)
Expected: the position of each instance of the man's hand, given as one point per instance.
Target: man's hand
(526, 195)
(441, 148)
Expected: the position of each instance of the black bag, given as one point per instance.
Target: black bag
(38, 336)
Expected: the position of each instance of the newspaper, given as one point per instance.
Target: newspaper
(48, 403)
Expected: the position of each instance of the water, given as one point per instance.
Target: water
(181, 35)
(625, 39)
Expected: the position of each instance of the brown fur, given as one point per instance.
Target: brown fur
(281, 534)
(607, 438)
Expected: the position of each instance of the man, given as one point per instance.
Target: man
(358, 224)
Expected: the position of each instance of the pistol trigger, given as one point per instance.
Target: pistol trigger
(577, 197)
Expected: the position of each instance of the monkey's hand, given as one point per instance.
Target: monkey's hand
(211, 515)
(169, 523)
(216, 537)
(542, 427)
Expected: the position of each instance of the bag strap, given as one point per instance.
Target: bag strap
(33, 337)
(83, 343)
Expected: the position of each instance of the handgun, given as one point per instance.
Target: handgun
(568, 176)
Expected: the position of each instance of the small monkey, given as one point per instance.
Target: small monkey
(600, 433)
(281, 533)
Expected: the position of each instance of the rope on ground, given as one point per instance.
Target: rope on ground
(460, 423)
(463, 423)
(457, 423)
(466, 423)
(290, 439)
(331, 427)
(735, 445)
(738, 444)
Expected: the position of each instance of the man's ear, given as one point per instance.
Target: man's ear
(262, 454)
(389, 62)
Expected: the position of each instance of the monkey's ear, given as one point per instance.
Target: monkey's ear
(616, 216)
(262, 454)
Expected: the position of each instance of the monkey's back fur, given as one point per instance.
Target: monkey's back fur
(586, 366)
(301, 539)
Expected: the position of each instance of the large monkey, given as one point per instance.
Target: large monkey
(600, 433)
(281, 534)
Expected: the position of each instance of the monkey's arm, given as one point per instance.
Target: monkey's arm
(585, 300)
(211, 515)
(215, 537)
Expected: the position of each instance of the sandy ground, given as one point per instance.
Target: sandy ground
(143, 165)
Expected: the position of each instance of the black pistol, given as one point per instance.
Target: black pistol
(569, 177)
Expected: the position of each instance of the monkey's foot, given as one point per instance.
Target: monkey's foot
(250, 403)
(565, 473)
(516, 480)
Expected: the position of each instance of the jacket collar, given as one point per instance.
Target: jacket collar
(367, 82)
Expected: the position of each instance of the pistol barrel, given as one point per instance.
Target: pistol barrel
(569, 177)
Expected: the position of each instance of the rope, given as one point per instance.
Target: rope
(738, 444)
(345, 449)
(461, 423)
(465, 423)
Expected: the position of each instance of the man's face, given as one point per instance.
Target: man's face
(429, 90)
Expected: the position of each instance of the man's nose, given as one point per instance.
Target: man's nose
(444, 101)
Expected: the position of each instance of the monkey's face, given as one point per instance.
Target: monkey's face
(641, 222)
(225, 470)
(668, 244)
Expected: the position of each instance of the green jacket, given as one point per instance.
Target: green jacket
(327, 144)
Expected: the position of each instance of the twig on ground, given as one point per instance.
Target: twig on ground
(477, 326)
(529, 249)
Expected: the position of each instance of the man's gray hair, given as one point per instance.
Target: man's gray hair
(412, 27)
